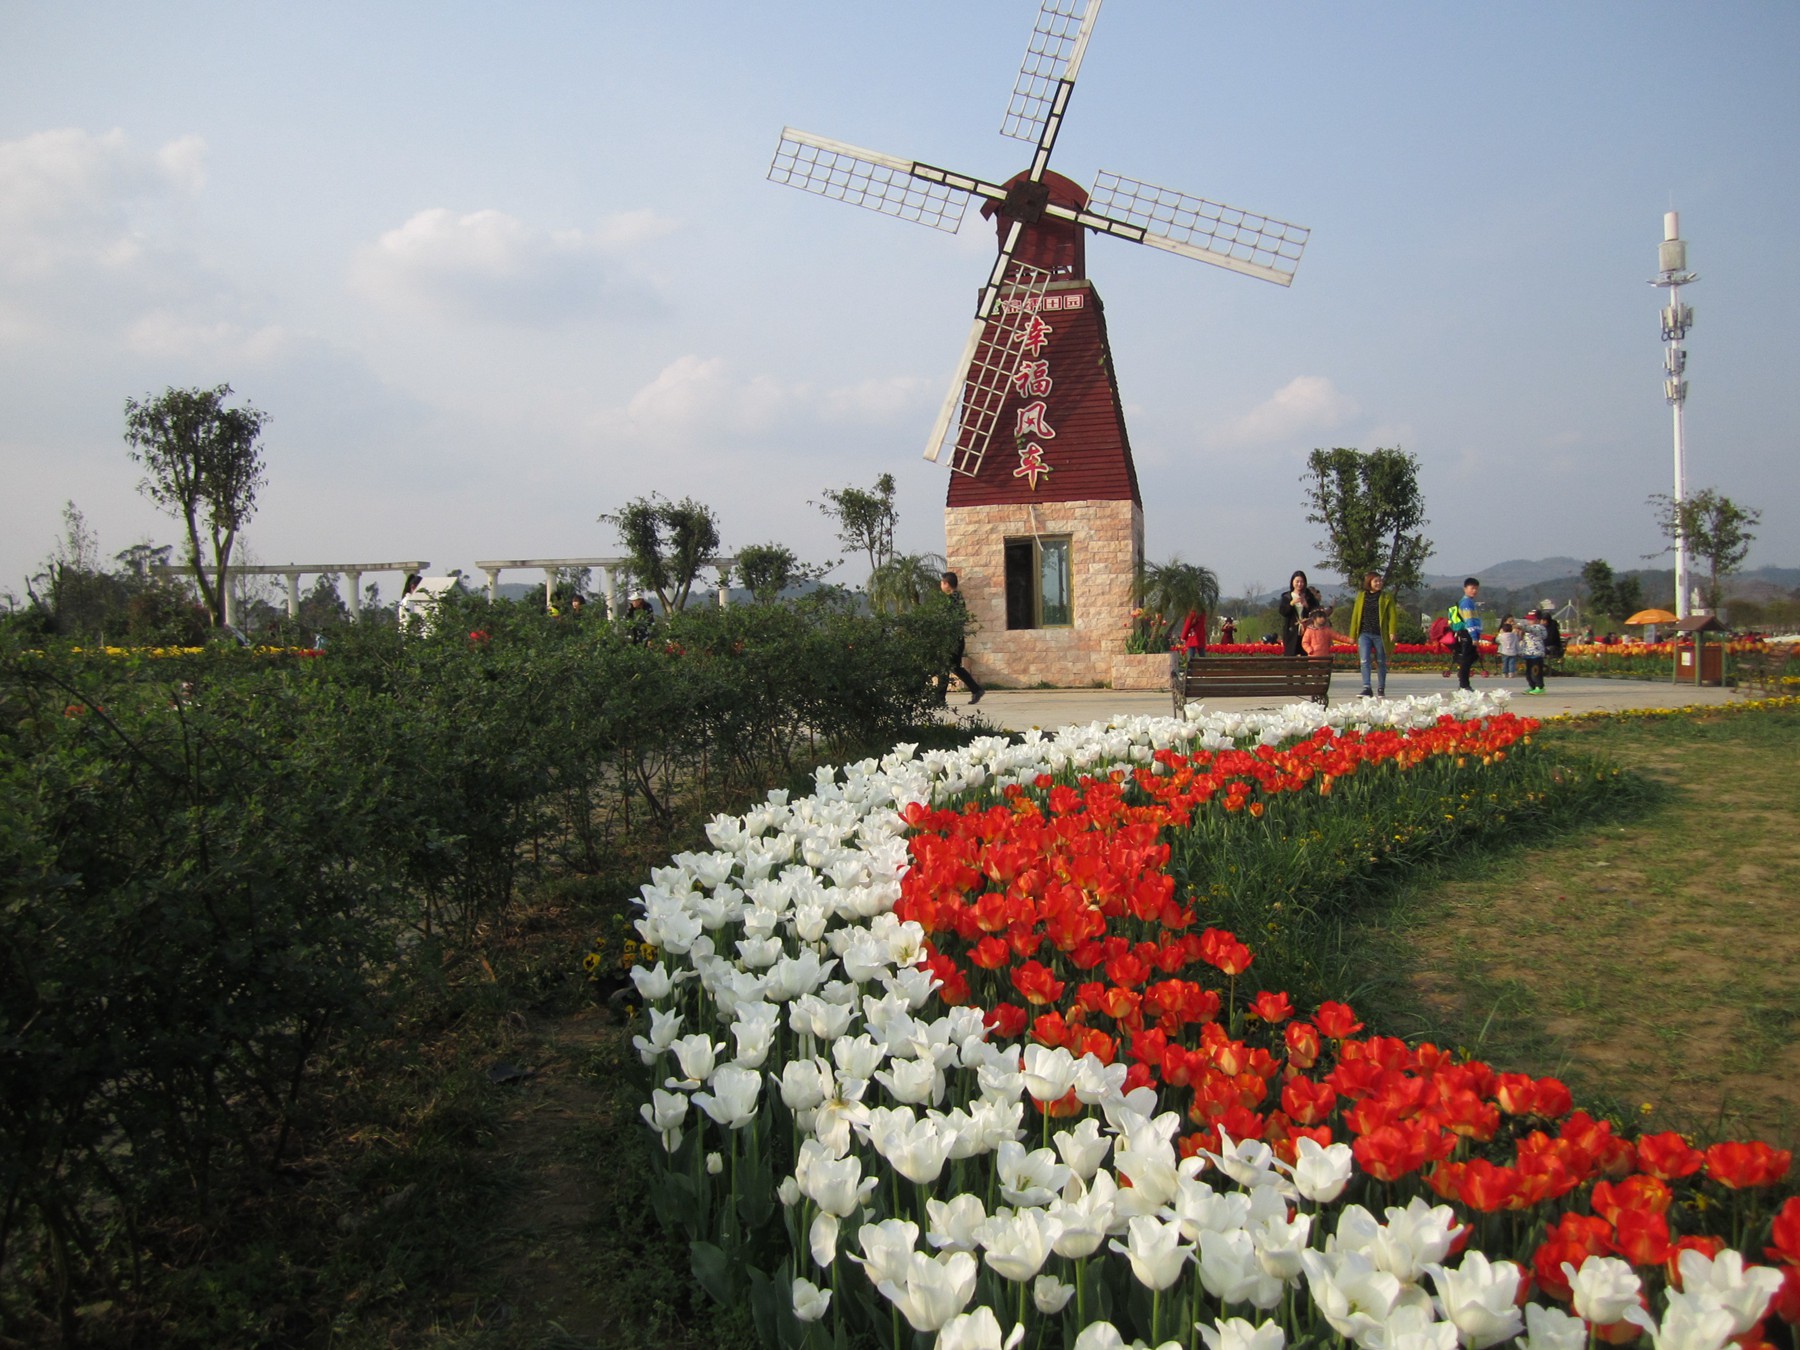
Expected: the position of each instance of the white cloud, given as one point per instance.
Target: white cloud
(1306, 403)
(72, 198)
(696, 397)
(162, 333)
(488, 265)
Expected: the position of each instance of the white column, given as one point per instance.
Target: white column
(549, 589)
(612, 593)
(293, 590)
(355, 579)
(493, 576)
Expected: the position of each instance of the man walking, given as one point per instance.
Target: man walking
(948, 585)
(1465, 623)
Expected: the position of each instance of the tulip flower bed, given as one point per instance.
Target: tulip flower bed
(953, 1047)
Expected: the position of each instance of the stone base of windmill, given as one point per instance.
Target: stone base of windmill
(1106, 544)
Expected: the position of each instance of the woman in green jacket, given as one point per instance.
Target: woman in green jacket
(1374, 619)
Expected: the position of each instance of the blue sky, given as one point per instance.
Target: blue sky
(495, 270)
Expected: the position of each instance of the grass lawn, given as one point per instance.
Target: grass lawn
(1653, 963)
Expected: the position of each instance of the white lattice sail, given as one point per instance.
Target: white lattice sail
(1196, 227)
(865, 178)
(1055, 43)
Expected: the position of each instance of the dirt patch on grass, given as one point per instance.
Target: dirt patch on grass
(1656, 965)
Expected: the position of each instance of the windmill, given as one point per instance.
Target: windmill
(1004, 377)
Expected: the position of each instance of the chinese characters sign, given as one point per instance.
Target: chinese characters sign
(1032, 378)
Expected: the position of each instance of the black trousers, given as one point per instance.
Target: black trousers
(1466, 654)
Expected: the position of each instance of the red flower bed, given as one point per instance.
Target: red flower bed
(1053, 910)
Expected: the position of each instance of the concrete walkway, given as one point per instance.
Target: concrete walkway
(1022, 709)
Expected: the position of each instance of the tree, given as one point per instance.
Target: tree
(1603, 597)
(667, 543)
(766, 570)
(1716, 529)
(864, 520)
(1628, 596)
(1372, 512)
(201, 465)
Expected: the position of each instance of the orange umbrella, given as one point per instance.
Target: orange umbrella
(1652, 616)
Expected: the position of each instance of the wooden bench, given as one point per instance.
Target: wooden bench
(1759, 673)
(1286, 678)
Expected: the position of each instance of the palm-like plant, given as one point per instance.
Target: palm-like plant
(903, 581)
(1167, 592)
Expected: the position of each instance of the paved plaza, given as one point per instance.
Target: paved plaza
(1022, 709)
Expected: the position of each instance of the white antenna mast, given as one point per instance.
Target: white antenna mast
(1677, 318)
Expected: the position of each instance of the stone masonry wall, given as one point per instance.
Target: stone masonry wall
(1106, 546)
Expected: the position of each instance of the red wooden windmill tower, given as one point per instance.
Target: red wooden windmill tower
(1043, 519)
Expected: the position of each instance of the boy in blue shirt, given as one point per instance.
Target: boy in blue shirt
(1465, 622)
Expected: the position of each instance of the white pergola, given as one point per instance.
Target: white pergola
(611, 569)
(353, 572)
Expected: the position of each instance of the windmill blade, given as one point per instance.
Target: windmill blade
(885, 183)
(984, 373)
(1242, 241)
(1047, 77)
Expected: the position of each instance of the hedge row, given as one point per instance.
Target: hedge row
(210, 862)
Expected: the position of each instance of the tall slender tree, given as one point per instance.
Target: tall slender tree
(1372, 511)
(1716, 528)
(203, 466)
(667, 544)
(865, 520)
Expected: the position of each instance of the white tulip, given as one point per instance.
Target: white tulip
(1690, 1322)
(697, 1055)
(715, 1164)
(1232, 1274)
(664, 1028)
(935, 1289)
(804, 1083)
(917, 1081)
(1050, 1295)
(1234, 1333)
(1155, 1250)
(735, 1095)
(978, 1330)
(1321, 1171)
(810, 1301)
(1029, 1179)
(1018, 1243)
(1604, 1288)
(822, 1238)
(836, 1185)
(956, 1223)
(1087, 1214)
(857, 1056)
(1479, 1297)
(1723, 1281)
(1552, 1329)
(1082, 1148)
(1352, 1295)
(887, 1249)
(1049, 1073)
(653, 982)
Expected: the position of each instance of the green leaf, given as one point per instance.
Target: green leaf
(712, 1269)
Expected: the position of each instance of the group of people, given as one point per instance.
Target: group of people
(1374, 621)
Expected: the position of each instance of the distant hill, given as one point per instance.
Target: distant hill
(1517, 574)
